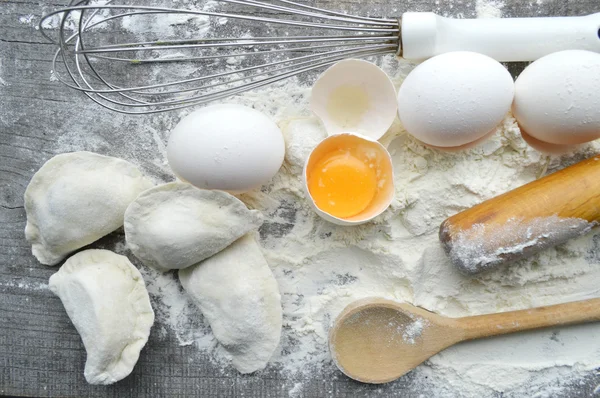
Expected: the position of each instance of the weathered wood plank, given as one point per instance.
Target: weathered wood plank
(40, 351)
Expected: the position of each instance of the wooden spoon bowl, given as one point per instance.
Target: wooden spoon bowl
(376, 340)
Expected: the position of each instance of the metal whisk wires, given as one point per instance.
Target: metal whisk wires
(96, 55)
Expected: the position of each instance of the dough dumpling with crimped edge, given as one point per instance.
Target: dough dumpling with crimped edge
(106, 299)
(175, 225)
(237, 293)
(75, 199)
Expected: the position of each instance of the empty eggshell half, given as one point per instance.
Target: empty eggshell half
(355, 95)
(350, 149)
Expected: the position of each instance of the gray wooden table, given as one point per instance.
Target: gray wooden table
(41, 354)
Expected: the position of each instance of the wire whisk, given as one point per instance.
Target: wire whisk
(96, 56)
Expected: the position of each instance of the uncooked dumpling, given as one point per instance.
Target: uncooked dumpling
(175, 225)
(106, 299)
(75, 199)
(239, 296)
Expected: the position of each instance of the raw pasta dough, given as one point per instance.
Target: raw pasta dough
(175, 225)
(239, 296)
(75, 199)
(106, 299)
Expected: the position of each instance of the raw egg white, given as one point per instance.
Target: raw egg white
(557, 98)
(227, 147)
(349, 179)
(455, 98)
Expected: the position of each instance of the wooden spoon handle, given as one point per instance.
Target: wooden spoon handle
(475, 327)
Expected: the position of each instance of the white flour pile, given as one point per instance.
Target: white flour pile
(321, 267)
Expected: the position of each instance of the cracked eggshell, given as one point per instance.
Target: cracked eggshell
(385, 194)
(355, 95)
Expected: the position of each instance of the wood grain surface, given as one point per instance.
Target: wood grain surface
(41, 354)
(572, 193)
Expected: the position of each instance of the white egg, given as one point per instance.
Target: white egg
(545, 147)
(228, 147)
(455, 98)
(557, 98)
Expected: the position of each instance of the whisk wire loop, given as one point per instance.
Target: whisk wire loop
(114, 73)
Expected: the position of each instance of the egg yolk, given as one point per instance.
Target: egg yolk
(342, 185)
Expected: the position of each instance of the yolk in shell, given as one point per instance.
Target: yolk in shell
(342, 184)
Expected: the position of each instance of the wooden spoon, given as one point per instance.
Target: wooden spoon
(376, 340)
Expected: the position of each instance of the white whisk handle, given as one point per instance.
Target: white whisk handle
(425, 34)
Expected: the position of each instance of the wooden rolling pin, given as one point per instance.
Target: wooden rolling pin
(524, 221)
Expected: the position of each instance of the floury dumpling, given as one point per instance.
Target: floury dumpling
(106, 299)
(75, 199)
(176, 225)
(239, 296)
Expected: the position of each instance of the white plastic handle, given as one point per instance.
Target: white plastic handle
(425, 34)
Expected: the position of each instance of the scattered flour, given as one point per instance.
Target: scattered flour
(26, 19)
(486, 245)
(71, 23)
(414, 330)
(2, 81)
(55, 21)
(321, 267)
(30, 286)
(489, 9)
(296, 390)
(53, 77)
(164, 25)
